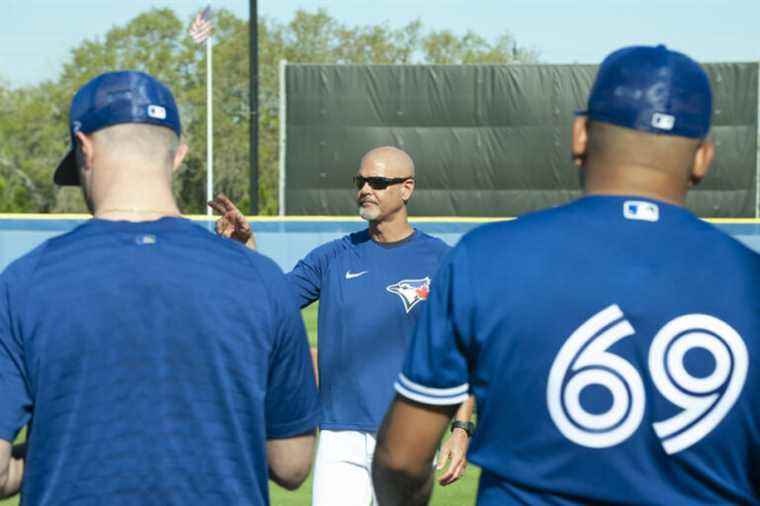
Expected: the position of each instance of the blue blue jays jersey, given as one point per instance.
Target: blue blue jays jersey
(370, 296)
(152, 361)
(612, 346)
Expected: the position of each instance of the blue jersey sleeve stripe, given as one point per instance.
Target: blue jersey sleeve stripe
(433, 401)
(435, 392)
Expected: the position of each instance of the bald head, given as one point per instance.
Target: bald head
(388, 161)
(385, 202)
(129, 163)
(617, 145)
(149, 144)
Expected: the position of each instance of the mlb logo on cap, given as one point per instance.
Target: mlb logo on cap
(112, 99)
(663, 121)
(156, 111)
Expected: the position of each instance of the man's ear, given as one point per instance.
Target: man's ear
(179, 156)
(87, 148)
(579, 144)
(407, 188)
(703, 157)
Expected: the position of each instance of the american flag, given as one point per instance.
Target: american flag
(202, 28)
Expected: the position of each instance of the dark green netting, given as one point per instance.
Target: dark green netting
(488, 140)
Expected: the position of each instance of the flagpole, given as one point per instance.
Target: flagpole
(201, 31)
(253, 61)
(209, 127)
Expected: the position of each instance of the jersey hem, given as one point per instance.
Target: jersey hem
(295, 428)
(8, 435)
(349, 426)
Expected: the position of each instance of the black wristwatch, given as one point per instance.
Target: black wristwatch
(468, 427)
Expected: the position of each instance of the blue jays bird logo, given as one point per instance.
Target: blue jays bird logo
(411, 291)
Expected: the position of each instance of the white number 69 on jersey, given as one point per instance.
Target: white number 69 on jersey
(584, 360)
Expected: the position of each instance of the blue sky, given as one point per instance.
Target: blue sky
(39, 34)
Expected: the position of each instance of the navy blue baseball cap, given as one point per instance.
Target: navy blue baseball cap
(652, 89)
(111, 99)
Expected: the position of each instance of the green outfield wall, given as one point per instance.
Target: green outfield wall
(488, 140)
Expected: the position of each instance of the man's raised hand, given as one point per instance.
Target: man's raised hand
(232, 223)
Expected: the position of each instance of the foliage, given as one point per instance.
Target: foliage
(33, 119)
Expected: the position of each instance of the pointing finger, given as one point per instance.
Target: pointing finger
(227, 202)
(216, 206)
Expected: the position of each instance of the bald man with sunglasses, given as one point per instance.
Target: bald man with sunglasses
(371, 286)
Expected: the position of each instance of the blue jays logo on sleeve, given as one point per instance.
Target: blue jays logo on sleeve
(411, 291)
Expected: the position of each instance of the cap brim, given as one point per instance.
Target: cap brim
(67, 173)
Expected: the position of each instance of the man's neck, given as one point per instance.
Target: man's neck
(390, 231)
(627, 192)
(134, 214)
(638, 181)
(136, 209)
(128, 194)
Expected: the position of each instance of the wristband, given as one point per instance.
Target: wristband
(468, 427)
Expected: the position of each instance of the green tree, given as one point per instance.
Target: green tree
(31, 135)
(33, 119)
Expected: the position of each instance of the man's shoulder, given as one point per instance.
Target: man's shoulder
(431, 240)
(492, 233)
(22, 268)
(431, 244)
(334, 248)
(229, 252)
(725, 246)
(529, 232)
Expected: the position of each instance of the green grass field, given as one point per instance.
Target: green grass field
(461, 493)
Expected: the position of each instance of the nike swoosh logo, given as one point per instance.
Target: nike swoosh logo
(352, 275)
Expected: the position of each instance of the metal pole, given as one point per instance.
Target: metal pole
(283, 140)
(209, 127)
(254, 106)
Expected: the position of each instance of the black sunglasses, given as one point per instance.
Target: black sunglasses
(378, 183)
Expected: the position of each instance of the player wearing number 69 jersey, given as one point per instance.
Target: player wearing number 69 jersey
(613, 346)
